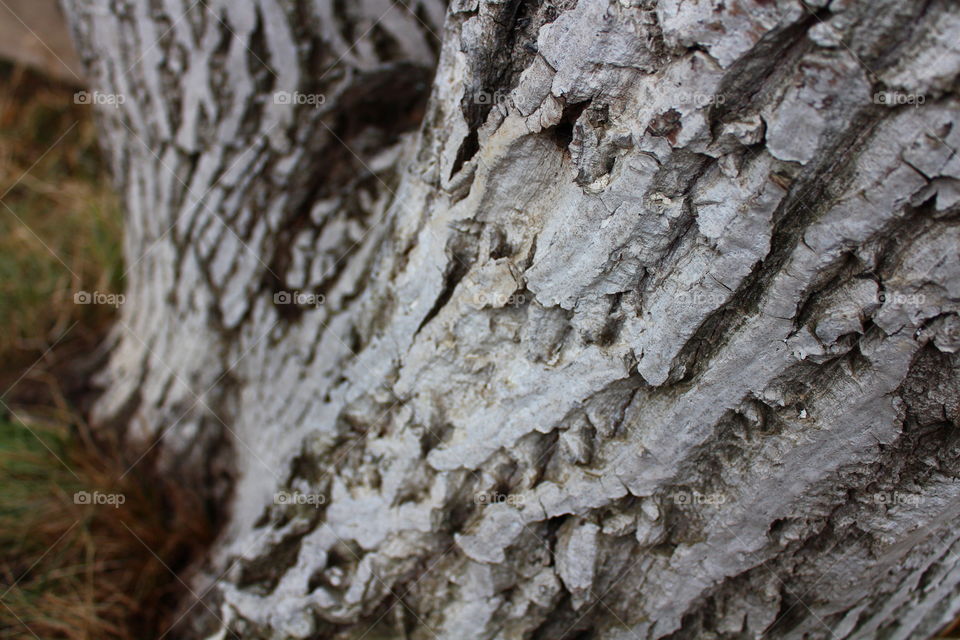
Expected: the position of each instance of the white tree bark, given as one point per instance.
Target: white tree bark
(650, 329)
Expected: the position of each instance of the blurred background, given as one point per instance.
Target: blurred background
(33, 33)
(68, 569)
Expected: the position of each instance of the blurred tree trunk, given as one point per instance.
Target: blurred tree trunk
(644, 325)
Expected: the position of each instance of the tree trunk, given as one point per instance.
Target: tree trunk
(643, 325)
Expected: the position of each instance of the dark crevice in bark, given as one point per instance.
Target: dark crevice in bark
(562, 132)
(926, 452)
(358, 128)
(880, 41)
(404, 86)
(508, 48)
(384, 44)
(431, 31)
(462, 254)
(821, 185)
(468, 149)
(344, 21)
(314, 54)
(745, 86)
(263, 573)
(258, 56)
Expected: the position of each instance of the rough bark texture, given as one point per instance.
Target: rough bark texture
(649, 331)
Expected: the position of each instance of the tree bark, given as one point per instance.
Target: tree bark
(643, 325)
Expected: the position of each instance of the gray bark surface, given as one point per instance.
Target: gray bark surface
(644, 325)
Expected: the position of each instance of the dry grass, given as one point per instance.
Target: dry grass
(59, 220)
(68, 570)
(88, 571)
